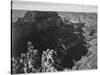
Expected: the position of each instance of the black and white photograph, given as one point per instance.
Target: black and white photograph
(52, 41)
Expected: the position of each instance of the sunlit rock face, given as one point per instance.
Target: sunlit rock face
(47, 30)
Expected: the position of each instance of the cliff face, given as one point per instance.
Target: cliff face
(33, 26)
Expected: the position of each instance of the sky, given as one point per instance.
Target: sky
(43, 6)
